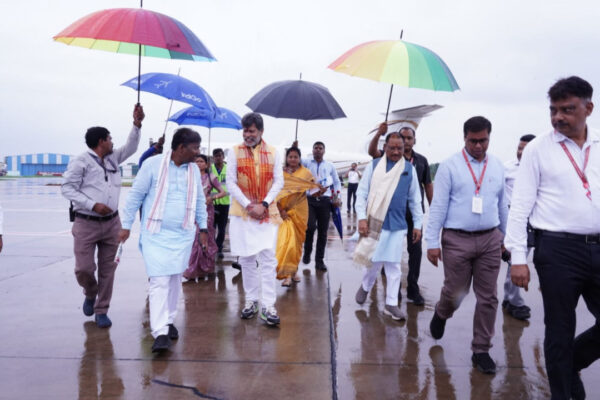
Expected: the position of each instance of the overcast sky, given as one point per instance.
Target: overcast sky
(504, 55)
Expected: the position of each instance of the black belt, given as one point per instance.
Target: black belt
(319, 198)
(471, 233)
(587, 239)
(95, 218)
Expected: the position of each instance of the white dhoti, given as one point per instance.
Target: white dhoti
(252, 242)
(163, 295)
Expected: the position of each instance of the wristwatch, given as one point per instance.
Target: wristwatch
(203, 230)
(265, 204)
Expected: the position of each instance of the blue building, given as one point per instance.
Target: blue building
(36, 164)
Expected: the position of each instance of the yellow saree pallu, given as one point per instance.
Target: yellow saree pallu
(292, 230)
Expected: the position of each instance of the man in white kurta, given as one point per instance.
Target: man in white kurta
(254, 178)
(387, 186)
(172, 201)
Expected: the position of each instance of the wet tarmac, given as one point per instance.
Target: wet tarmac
(327, 347)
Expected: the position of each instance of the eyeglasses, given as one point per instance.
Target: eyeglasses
(474, 142)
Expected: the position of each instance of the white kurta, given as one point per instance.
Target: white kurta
(248, 236)
(166, 252)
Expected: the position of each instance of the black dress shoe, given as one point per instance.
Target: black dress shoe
(173, 332)
(161, 343)
(236, 265)
(437, 326)
(320, 266)
(577, 389)
(484, 363)
(306, 259)
(416, 298)
(521, 313)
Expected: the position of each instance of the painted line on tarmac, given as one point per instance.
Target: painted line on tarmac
(39, 234)
(44, 210)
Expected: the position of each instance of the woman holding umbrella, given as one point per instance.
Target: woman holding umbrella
(202, 261)
(293, 207)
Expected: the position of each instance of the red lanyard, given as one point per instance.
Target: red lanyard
(581, 173)
(477, 183)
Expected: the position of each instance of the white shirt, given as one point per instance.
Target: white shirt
(510, 174)
(549, 192)
(353, 177)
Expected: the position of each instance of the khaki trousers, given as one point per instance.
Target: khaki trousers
(472, 258)
(89, 235)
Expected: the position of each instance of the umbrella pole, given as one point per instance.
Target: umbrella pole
(139, 70)
(170, 106)
(296, 138)
(389, 102)
(208, 155)
(140, 60)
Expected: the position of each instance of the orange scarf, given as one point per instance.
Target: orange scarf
(255, 178)
(254, 187)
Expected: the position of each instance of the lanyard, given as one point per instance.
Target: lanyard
(586, 184)
(477, 183)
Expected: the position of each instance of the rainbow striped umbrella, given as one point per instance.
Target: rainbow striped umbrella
(135, 31)
(399, 63)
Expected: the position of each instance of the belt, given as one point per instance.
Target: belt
(319, 198)
(587, 239)
(95, 218)
(471, 233)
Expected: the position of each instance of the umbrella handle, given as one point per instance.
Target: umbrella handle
(389, 102)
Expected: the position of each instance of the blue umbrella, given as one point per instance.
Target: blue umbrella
(296, 99)
(173, 87)
(221, 118)
(336, 217)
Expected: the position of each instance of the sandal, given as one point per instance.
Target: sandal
(296, 278)
(286, 282)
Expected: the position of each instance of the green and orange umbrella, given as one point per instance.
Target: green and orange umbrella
(135, 31)
(399, 63)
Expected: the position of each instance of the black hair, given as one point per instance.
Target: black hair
(527, 138)
(571, 86)
(317, 142)
(218, 151)
(184, 136)
(288, 151)
(94, 134)
(205, 158)
(393, 134)
(253, 119)
(411, 129)
(477, 124)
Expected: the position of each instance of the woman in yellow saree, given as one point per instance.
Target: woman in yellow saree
(293, 208)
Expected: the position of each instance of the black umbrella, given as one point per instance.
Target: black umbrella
(296, 99)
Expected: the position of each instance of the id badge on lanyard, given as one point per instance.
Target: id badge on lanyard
(477, 202)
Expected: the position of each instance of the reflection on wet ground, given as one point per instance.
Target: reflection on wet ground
(50, 350)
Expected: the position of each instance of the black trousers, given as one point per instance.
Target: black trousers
(568, 268)
(221, 215)
(415, 253)
(319, 212)
(352, 194)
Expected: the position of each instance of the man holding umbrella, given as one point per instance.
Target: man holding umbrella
(254, 178)
(92, 183)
